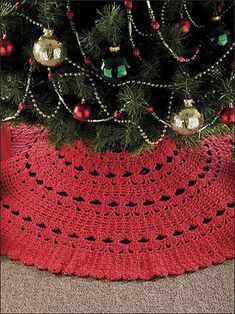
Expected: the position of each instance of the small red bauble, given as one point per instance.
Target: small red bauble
(82, 111)
(155, 25)
(233, 65)
(220, 9)
(70, 15)
(18, 5)
(31, 61)
(116, 114)
(136, 52)
(87, 60)
(185, 25)
(181, 59)
(50, 76)
(150, 109)
(128, 4)
(227, 115)
(21, 106)
(6, 46)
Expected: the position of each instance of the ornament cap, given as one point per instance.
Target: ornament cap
(114, 48)
(48, 32)
(188, 102)
(216, 18)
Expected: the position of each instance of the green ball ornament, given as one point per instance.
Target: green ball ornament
(219, 35)
(114, 67)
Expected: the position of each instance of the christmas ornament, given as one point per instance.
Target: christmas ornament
(150, 109)
(115, 66)
(128, 4)
(116, 114)
(155, 25)
(232, 65)
(184, 24)
(6, 46)
(219, 35)
(18, 5)
(136, 52)
(48, 51)
(227, 115)
(188, 120)
(82, 111)
(21, 106)
(181, 59)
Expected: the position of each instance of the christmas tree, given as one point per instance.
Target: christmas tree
(118, 74)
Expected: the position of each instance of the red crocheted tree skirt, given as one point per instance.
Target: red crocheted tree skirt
(111, 215)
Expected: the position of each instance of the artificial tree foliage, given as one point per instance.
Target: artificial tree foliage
(101, 25)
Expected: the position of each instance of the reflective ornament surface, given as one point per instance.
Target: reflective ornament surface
(49, 51)
(188, 120)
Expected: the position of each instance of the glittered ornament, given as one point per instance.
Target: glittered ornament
(188, 120)
(6, 46)
(227, 115)
(184, 25)
(48, 51)
(82, 111)
(114, 67)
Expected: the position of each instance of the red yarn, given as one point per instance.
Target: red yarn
(111, 215)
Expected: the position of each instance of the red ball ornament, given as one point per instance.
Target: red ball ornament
(6, 46)
(128, 4)
(82, 111)
(220, 9)
(70, 15)
(18, 5)
(181, 59)
(233, 65)
(155, 25)
(150, 109)
(31, 62)
(227, 115)
(50, 76)
(116, 114)
(21, 106)
(185, 25)
(87, 60)
(136, 52)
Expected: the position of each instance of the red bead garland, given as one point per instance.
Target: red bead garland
(181, 59)
(155, 25)
(116, 114)
(21, 106)
(70, 15)
(150, 109)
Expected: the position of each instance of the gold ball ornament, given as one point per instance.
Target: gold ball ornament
(188, 120)
(49, 51)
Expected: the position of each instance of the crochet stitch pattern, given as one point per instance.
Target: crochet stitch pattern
(115, 216)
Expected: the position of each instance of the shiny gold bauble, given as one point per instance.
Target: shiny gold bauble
(188, 120)
(48, 51)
